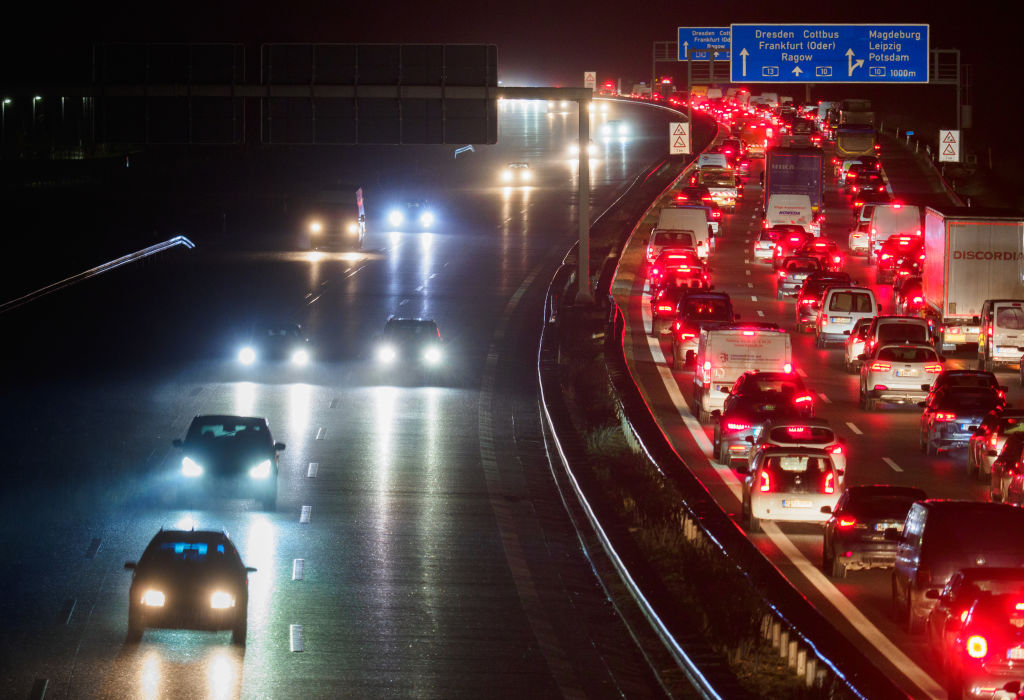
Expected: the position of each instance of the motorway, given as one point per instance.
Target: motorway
(437, 559)
(882, 446)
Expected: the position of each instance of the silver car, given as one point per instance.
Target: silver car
(855, 343)
(897, 373)
(789, 484)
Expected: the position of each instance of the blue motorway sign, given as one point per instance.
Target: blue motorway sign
(707, 38)
(830, 53)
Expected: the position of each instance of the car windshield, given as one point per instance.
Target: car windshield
(852, 302)
(171, 552)
(986, 533)
(417, 330)
(802, 266)
(911, 332)
(711, 309)
(907, 354)
(777, 385)
(969, 380)
(226, 430)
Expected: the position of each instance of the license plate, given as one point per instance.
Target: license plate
(1015, 653)
(906, 373)
(839, 319)
(796, 504)
(882, 527)
(768, 407)
(958, 443)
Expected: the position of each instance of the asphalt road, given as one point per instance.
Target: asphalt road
(437, 559)
(882, 446)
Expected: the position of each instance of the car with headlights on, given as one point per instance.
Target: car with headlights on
(897, 374)
(229, 456)
(791, 273)
(615, 128)
(413, 215)
(283, 343)
(854, 536)
(410, 344)
(954, 601)
(755, 398)
(952, 415)
(789, 484)
(808, 300)
(189, 579)
(574, 149)
(335, 219)
(516, 174)
(988, 439)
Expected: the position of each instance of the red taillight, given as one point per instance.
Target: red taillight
(787, 368)
(803, 398)
(807, 301)
(976, 646)
(830, 483)
(917, 300)
(836, 450)
(665, 308)
(880, 367)
(990, 331)
(782, 274)
(944, 417)
(795, 430)
(716, 215)
(845, 522)
(766, 483)
(748, 333)
(885, 256)
(993, 441)
(735, 425)
(933, 368)
(837, 259)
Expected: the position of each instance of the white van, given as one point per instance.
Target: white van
(693, 220)
(668, 238)
(712, 160)
(840, 309)
(792, 209)
(724, 353)
(1001, 340)
(891, 219)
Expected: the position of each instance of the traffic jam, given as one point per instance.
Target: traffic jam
(839, 362)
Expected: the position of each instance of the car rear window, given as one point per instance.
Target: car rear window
(908, 355)
(783, 470)
(1010, 318)
(713, 309)
(910, 332)
(681, 238)
(802, 435)
(987, 531)
(976, 401)
(881, 507)
(803, 265)
(852, 302)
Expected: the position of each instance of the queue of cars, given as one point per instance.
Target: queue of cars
(793, 466)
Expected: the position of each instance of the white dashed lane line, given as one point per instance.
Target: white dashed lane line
(295, 637)
(748, 272)
(854, 428)
(298, 569)
(801, 372)
(753, 298)
(750, 285)
(314, 467)
(824, 399)
(760, 313)
(305, 514)
(895, 467)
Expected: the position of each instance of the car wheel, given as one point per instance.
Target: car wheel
(870, 404)
(778, 294)
(240, 630)
(973, 469)
(895, 609)
(702, 415)
(862, 399)
(914, 622)
(135, 628)
(837, 567)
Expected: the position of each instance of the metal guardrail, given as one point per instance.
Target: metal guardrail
(96, 271)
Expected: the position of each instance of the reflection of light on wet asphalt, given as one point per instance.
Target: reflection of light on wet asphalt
(259, 551)
(149, 682)
(245, 398)
(300, 408)
(222, 675)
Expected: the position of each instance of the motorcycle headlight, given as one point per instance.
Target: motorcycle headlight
(247, 355)
(153, 599)
(300, 357)
(190, 467)
(395, 217)
(386, 354)
(427, 218)
(432, 355)
(261, 470)
(315, 227)
(221, 600)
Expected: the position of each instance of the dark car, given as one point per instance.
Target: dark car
(965, 587)
(987, 652)
(755, 398)
(693, 194)
(791, 275)
(665, 301)
(695, 311)
(988, 440)
(908, 295)
(671, 260)
(861, 198)
(408, 343)
(895, 250)
(281, 343)
(1007, 468)
(809, 298)
(412, 215)
(869, 182)
(826, 251)
(952, 414)
(189, 579)
(229, 456)
(855, 533)
(789, 245)
(976, 378)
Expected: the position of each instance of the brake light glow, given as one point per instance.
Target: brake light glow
(830, 483)
(917, 300)
(707, 366)
(880, 366)
(944, 417)
(976, 646)
(748, 332)
(782, 274)
(787, 368)
(803, 398)
(797, 429)
(735, 425)
(836, 450)
(665, 308)
(807, 301)
(845, 522)
(933, 368)
(993, 441)
(766, 483)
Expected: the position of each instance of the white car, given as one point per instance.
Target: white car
(789, 484)
(794, 431)
(900, 373)
(855, 344)
(517, 174)
(860, 238)
(615, 128)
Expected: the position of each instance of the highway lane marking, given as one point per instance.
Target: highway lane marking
(420, 288)
(801, 372)
(354, 272)
(403, 302)
(314, 467)
(746, 261)
(750, 285)
(298, 569)
(94, 547)
(753, 298)
(760, 313)
(320, 432)
(295, 637)
(854, 428)
(334, 403)
(304, 516)
(748, 272)
(824, 399)
(895, 467)
(64, 616)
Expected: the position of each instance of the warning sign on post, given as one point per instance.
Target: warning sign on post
(590, 79)
(678, 138)
(949, 145)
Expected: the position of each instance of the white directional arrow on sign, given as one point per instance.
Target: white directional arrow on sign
(852, 65)
(686, 49)
(744, 54)
(797, 71)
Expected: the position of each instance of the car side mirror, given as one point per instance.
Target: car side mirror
(176, 442)
(932, 594)
(742, 468)
(841, 473)
(724, 389)
(250, 569)
(827, 510)
(992, 453)
(279, 446)
(846, 332)
(979, 430)
(975, 320)
(129, 566)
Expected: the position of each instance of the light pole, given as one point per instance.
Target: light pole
(3, 120)
(35, 99)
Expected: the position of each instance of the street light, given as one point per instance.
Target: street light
(3, 120)
(34, 100)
